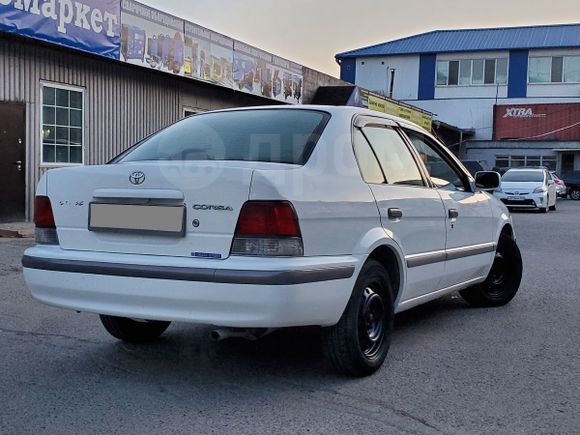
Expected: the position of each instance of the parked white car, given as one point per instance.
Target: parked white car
(264, 218)
(528, 188)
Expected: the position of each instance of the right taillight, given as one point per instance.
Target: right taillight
(268, 229)
(44, 222)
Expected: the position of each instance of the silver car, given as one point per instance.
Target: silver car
(561, 188)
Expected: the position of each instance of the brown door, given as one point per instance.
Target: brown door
(12, 162)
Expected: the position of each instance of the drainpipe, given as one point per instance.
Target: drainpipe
(392, 82)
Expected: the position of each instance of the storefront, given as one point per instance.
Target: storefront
(79, 85)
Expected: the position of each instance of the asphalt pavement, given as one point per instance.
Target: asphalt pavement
(451, 368)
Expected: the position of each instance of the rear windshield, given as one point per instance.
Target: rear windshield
(278, 136)
(524, 176)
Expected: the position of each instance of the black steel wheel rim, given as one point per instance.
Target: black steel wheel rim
(371, 328)
(498, 276)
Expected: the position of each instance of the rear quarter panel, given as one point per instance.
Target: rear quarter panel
(336, 208)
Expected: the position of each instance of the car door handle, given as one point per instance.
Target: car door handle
(395, 213)
(453, 213)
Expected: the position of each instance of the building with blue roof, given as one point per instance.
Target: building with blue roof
(513, 92)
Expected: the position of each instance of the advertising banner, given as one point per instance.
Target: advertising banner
(89, 25)
(287, 80)
(537, 122)
(393, 107)
(151, 38)
(261, 73)
(208, 55)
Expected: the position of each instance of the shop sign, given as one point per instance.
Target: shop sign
(89, 25)
(395, 108)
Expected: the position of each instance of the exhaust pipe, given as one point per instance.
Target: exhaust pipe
(251, 334)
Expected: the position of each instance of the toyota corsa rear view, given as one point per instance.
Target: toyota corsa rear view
(264, 218)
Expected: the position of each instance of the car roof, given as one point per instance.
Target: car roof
(528, 168)
(333, 110)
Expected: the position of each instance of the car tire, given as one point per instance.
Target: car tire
(545, 209)
(553, 207)
(358, 344)
(575, 194)
(503, 281)
(134, 331)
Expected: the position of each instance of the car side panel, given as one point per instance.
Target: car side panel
(472, 230)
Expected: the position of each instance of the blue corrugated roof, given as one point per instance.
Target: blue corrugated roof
(449, 41)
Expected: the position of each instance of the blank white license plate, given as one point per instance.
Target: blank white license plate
(515, 198)
(144, 219)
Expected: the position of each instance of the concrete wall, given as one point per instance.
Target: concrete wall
(314, 79)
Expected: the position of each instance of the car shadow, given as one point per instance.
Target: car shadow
(186, 353)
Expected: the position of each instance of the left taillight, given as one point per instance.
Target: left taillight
(44, 221)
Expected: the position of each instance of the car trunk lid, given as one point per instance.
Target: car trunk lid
(209, 196)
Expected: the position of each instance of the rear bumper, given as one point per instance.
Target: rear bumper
(241, 292)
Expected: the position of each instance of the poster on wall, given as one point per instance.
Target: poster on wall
(208, 55)
(287, 80)
(92, 27)
(151, 38)
(260, 73)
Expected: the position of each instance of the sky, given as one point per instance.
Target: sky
(311, 32)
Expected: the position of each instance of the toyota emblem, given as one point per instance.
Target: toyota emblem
(137, 178)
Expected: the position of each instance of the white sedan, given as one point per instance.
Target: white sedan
(528, 188)
(263, 218)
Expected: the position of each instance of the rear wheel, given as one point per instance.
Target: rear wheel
(359, 343)
(553, 208)
(134, 331)
(575, 194)
(503, 280)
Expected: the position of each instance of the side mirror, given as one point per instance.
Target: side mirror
(487, 180)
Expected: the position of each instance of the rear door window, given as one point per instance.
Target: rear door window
(367, 161)
(394, 156)
(278, 136)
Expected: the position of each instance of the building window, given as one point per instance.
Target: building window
(518, 161)
(477, 74)
(465, 72)
(442, 73)
(501, 70)
(554, 69)
(550, 162)
(62, 125)
(572, 69)
(502, 161)
(472, 72)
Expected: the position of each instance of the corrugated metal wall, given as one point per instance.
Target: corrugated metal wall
(123, 104)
